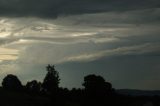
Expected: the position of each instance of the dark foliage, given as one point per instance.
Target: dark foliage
(95, 83)
(11, 82)
(51, 81)
(33, 87)
(96, 92)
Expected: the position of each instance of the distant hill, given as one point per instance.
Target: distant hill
(134, 92)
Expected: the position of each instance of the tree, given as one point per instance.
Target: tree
(51, 80)
(97, 90)
(93, 83)
(33, 86)
(11, 82)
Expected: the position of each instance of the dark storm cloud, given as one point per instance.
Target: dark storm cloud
(54, 8)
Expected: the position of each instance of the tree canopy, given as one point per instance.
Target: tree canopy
(51, 80)
(11, 82)
(96, 83)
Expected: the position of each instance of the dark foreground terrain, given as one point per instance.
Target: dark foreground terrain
(74, 97)
(96, 92)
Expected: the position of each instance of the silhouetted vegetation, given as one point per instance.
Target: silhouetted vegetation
(96, 92)
(97, 84)
(33, 87)
(51, 81)
(11, 82)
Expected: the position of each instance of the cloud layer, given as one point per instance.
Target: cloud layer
(116, 39)
(55, 8)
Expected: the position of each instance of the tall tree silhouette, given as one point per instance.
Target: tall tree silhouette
(51, 80)
(11, 82)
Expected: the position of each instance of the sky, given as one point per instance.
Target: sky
(117, 39)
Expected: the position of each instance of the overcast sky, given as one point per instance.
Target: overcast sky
(118, 39)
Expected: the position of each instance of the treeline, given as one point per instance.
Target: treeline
(96, 92)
